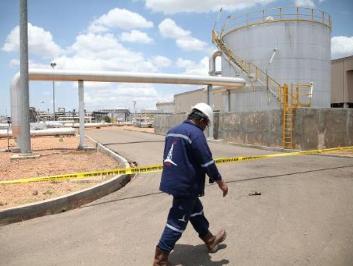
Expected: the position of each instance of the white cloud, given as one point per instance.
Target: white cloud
(122, 95)
(103, 52)
(40, 42)
(15, 63)
(305, 3)
(193, 68)
(190, 44)
(161, 61)
(136, 36)
(119, 18)
(176, 6)
(169, 29)
(341, 46)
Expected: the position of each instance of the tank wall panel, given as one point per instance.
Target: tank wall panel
(303, 54)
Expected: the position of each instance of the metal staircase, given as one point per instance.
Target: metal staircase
(289, 102)
(252, 71)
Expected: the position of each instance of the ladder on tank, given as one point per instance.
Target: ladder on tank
(289, 102)
(288, 118)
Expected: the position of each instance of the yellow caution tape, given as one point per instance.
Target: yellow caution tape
(158, 168)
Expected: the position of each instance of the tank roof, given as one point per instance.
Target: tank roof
(272, 15)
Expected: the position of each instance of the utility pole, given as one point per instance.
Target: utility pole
(24, 140)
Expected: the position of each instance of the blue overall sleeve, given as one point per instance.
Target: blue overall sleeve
(204, 157)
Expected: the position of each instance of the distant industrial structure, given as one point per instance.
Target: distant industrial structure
(342, 82)
(70, 116)
(114, 115)
(144, 118)
(284, 56)
(270, 49)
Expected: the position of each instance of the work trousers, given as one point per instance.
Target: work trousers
(183, 210)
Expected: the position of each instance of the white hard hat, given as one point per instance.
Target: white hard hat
(205, 109)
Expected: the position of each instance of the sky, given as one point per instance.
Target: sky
(164, 36)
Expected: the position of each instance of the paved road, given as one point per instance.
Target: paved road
(303, 217)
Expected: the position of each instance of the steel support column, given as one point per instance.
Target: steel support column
(23, 127)
(81, 111)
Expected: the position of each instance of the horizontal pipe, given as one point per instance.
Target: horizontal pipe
(17, 111)
(42, 132)
(131, 77)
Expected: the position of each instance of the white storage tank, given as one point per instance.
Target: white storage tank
(297, 40)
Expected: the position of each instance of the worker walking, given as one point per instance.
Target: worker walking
(186, 160)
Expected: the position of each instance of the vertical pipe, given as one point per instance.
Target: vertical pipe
(54, 100)
(210, 128)
(53, 64)
(81, 110)
(229, 102)
(24, 137)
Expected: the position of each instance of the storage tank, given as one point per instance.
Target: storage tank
(292, 45)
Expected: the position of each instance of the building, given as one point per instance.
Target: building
(186, 100)
(342, 82)
(166, 107)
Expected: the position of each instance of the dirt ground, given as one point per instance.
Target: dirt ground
(58, 155)
(139, 129)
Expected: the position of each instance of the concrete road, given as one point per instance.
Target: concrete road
(304, 215)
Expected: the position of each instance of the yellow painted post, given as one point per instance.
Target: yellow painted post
(284, 112)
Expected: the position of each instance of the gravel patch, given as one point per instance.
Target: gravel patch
(58, 155)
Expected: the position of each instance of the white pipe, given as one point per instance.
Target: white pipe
(81, 111)
(311, 90)
(88, 125)
(134, 77)
(101, 76)
(43, 132)
(212, 63)
(272, 56)
(4, 125)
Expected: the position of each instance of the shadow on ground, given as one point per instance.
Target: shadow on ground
(188, 255)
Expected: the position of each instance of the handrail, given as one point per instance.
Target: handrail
(249, 68)
(232, 23)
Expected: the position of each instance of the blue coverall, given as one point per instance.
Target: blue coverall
(186, 160)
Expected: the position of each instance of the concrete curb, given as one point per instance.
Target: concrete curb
(69, 201)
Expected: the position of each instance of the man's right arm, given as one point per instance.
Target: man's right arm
(223, 186)
(204, 155)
